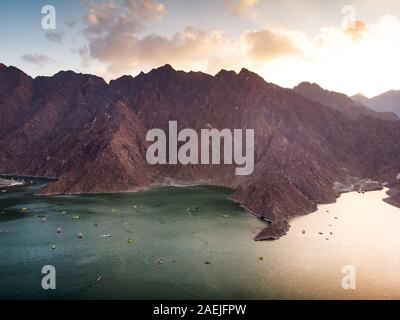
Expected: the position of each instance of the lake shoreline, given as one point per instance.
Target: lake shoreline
(274, 230)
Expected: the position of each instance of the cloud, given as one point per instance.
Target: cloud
(337, 58)
(189, 44)
(115, 38)
(112, 32)
(111, 17)
(39, 60)
(121, 51)
(100, 17)
(241, 6)
(356, 30)
(56, 37)
(337, 62)
(71, 22)
(147, 9)
(268, 45)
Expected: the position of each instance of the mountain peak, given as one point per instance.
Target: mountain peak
(243, 70)
(361, 95)
(13, 71)
(66, 73)
(390, 93)
(246, 73)
(352, 107)
(165, 68)
(224, 73)
(361, 98)
(388, 101)
(310, 85)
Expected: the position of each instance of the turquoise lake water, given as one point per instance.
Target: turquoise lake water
(174, 233)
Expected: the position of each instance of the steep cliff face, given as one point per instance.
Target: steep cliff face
(91, 135)
(15, 98)
(45, 142)
(108, 155)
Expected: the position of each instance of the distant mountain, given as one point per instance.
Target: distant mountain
(91, 135)
(386, 102)
(340, 102)
(361, 99)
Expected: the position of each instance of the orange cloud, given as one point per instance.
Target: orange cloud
(115, 39)
(112, 29)
(121, 51)
(147, 8)
(114, 17)
(268, 45)
(356, 30)
(242, 6)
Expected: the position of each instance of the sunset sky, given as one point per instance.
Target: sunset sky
(346, 46)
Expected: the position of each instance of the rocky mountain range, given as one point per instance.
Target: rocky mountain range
(385, 102)
(341, 102)
(90, 135)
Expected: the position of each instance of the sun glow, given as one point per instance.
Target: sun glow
(336, 60)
